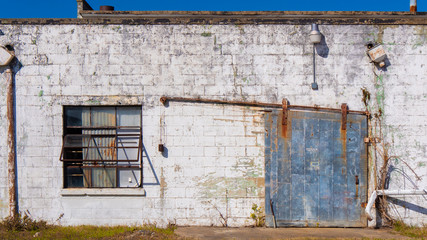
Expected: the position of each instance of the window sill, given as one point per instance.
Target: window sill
(102, 192)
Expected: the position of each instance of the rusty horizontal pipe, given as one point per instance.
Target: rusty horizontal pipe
(165, 99)
(11, 155)
(214, 101)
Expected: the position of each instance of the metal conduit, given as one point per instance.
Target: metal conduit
(389, 193)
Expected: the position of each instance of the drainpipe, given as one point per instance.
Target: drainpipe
(6, 56)
(413, 6)
(11, 155)
(389, 193)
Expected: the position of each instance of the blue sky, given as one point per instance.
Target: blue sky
(68, 8)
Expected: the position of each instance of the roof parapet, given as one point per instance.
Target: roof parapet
(229, 18)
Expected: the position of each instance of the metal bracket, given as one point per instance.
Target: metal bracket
(344, 111)
(161, 148)
(163, 100)
(285, 112)
(372, 140)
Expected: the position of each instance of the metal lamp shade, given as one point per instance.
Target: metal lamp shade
(315, 35)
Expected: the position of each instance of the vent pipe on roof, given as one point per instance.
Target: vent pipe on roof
(413, 6)
(106, 8)
(81, 6)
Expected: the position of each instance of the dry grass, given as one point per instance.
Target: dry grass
(410, 231)
(23, 227)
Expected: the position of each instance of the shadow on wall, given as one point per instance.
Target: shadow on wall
(387, 64)
(165, 152)
(322, 48)
(156, 179)
(408, 205)
(392, 169)
(399, 202)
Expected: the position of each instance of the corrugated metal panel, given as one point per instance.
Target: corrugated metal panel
(311, 169)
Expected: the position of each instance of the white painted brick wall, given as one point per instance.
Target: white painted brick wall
(211, 148)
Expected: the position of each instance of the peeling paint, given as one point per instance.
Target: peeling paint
(237, 187)
(421, 36)
(206, 34)
(3, 205)
(248, 183)
(163, 184)
(379, 94)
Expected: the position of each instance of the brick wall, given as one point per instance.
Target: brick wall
(214, 163)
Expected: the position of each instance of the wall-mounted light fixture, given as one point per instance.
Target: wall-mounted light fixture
(315, 37)
(376, 53)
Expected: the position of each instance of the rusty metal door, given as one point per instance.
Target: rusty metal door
(316, 172)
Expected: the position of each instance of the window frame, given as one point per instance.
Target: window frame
(114, 162)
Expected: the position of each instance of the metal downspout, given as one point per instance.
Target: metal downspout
(370, 204)
(11, 155)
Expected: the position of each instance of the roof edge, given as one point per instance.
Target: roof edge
(233, 17)
(251, 13)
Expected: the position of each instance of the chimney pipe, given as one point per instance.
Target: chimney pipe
(106, 8)
(413, 6)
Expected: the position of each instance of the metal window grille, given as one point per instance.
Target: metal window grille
(102, 147)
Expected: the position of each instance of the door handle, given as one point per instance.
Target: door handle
(357, 185)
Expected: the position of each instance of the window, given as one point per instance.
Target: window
(102, 147)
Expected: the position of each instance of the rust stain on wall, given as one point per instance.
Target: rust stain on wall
(343, 139)
(284, 128)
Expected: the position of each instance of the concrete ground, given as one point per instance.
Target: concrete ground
(285, 233)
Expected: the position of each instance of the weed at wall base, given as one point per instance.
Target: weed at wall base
(22, 223)
(258, 215)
